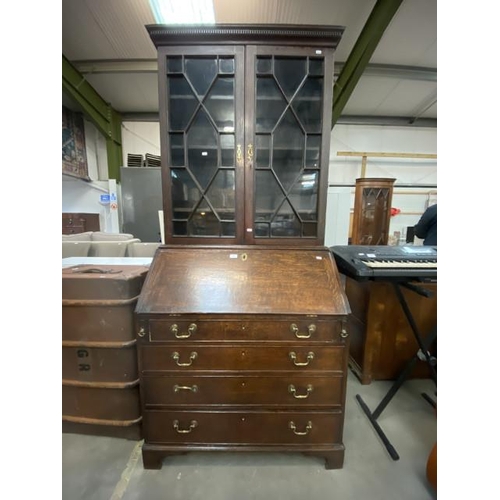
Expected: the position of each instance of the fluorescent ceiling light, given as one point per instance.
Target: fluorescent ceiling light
(183, 11)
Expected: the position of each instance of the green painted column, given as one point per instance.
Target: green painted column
(363, 49)
(98, 111)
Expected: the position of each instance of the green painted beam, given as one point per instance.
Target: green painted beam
(98, 111)
(363, 49)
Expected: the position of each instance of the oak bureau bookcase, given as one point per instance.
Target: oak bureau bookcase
(241, 322)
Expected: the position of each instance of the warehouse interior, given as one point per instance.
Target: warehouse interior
(383, 126)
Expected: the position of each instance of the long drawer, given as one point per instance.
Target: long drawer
(193, 357)
(220, 390)
(306, 330)
(260, 427)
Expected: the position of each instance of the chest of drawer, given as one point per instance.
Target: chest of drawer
(233, 427)
(73, 229)
(290, 390)
(193, 357)
(293, 330)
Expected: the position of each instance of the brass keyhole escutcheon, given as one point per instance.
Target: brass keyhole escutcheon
(244, 256)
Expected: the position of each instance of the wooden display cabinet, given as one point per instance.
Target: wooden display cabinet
(372, 211)
(245, 115)
(241, 322)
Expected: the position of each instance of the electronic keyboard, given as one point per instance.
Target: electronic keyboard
(386, 262)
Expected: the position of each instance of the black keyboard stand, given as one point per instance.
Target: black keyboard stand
(424, 345)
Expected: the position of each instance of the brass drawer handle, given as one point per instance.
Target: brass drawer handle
(309, 426)
(293, 357)
(295, 329)
(178, 388)
(192, 357)
(192, 425)
(191, 329)
(292, 390)
(141, 332)
(344, 334)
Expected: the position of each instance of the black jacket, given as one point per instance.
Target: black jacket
(426, 227)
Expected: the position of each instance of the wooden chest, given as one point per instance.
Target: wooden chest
(242, 348)
(100, 393)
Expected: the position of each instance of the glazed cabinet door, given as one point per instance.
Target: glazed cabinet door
(246, 138)
(202, 140)
(288, 104)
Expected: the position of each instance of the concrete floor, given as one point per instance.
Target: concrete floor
(101, 468)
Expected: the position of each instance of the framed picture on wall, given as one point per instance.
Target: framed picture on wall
(74, 157)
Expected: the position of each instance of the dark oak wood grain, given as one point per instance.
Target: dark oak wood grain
(247, 390)
(228, 364)
(243, 280)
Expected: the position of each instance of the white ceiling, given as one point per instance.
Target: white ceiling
(106, 40)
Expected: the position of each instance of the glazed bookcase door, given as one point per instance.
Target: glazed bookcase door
(287, 138)
(202, 141)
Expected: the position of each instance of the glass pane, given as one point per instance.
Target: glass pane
(290, 72)
(185, 194)
(261, 230)
(228, 228)
(288, 150)
(373, 212)
(303, 196)
(182, 103)
(315, 66)
(268, 195)
(262, 150)
(177, 149)
(313, 151)
(174, 64)
(226, 65)
(220, 104)
(227, 150)
(202, 149)
(204, 222)
(264, 65)
(221, 195)
(270, 104)
(180, 228)
(285, 224)
(201, 73)
(308, 104)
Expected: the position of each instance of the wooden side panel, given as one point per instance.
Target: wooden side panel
(382, 340)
